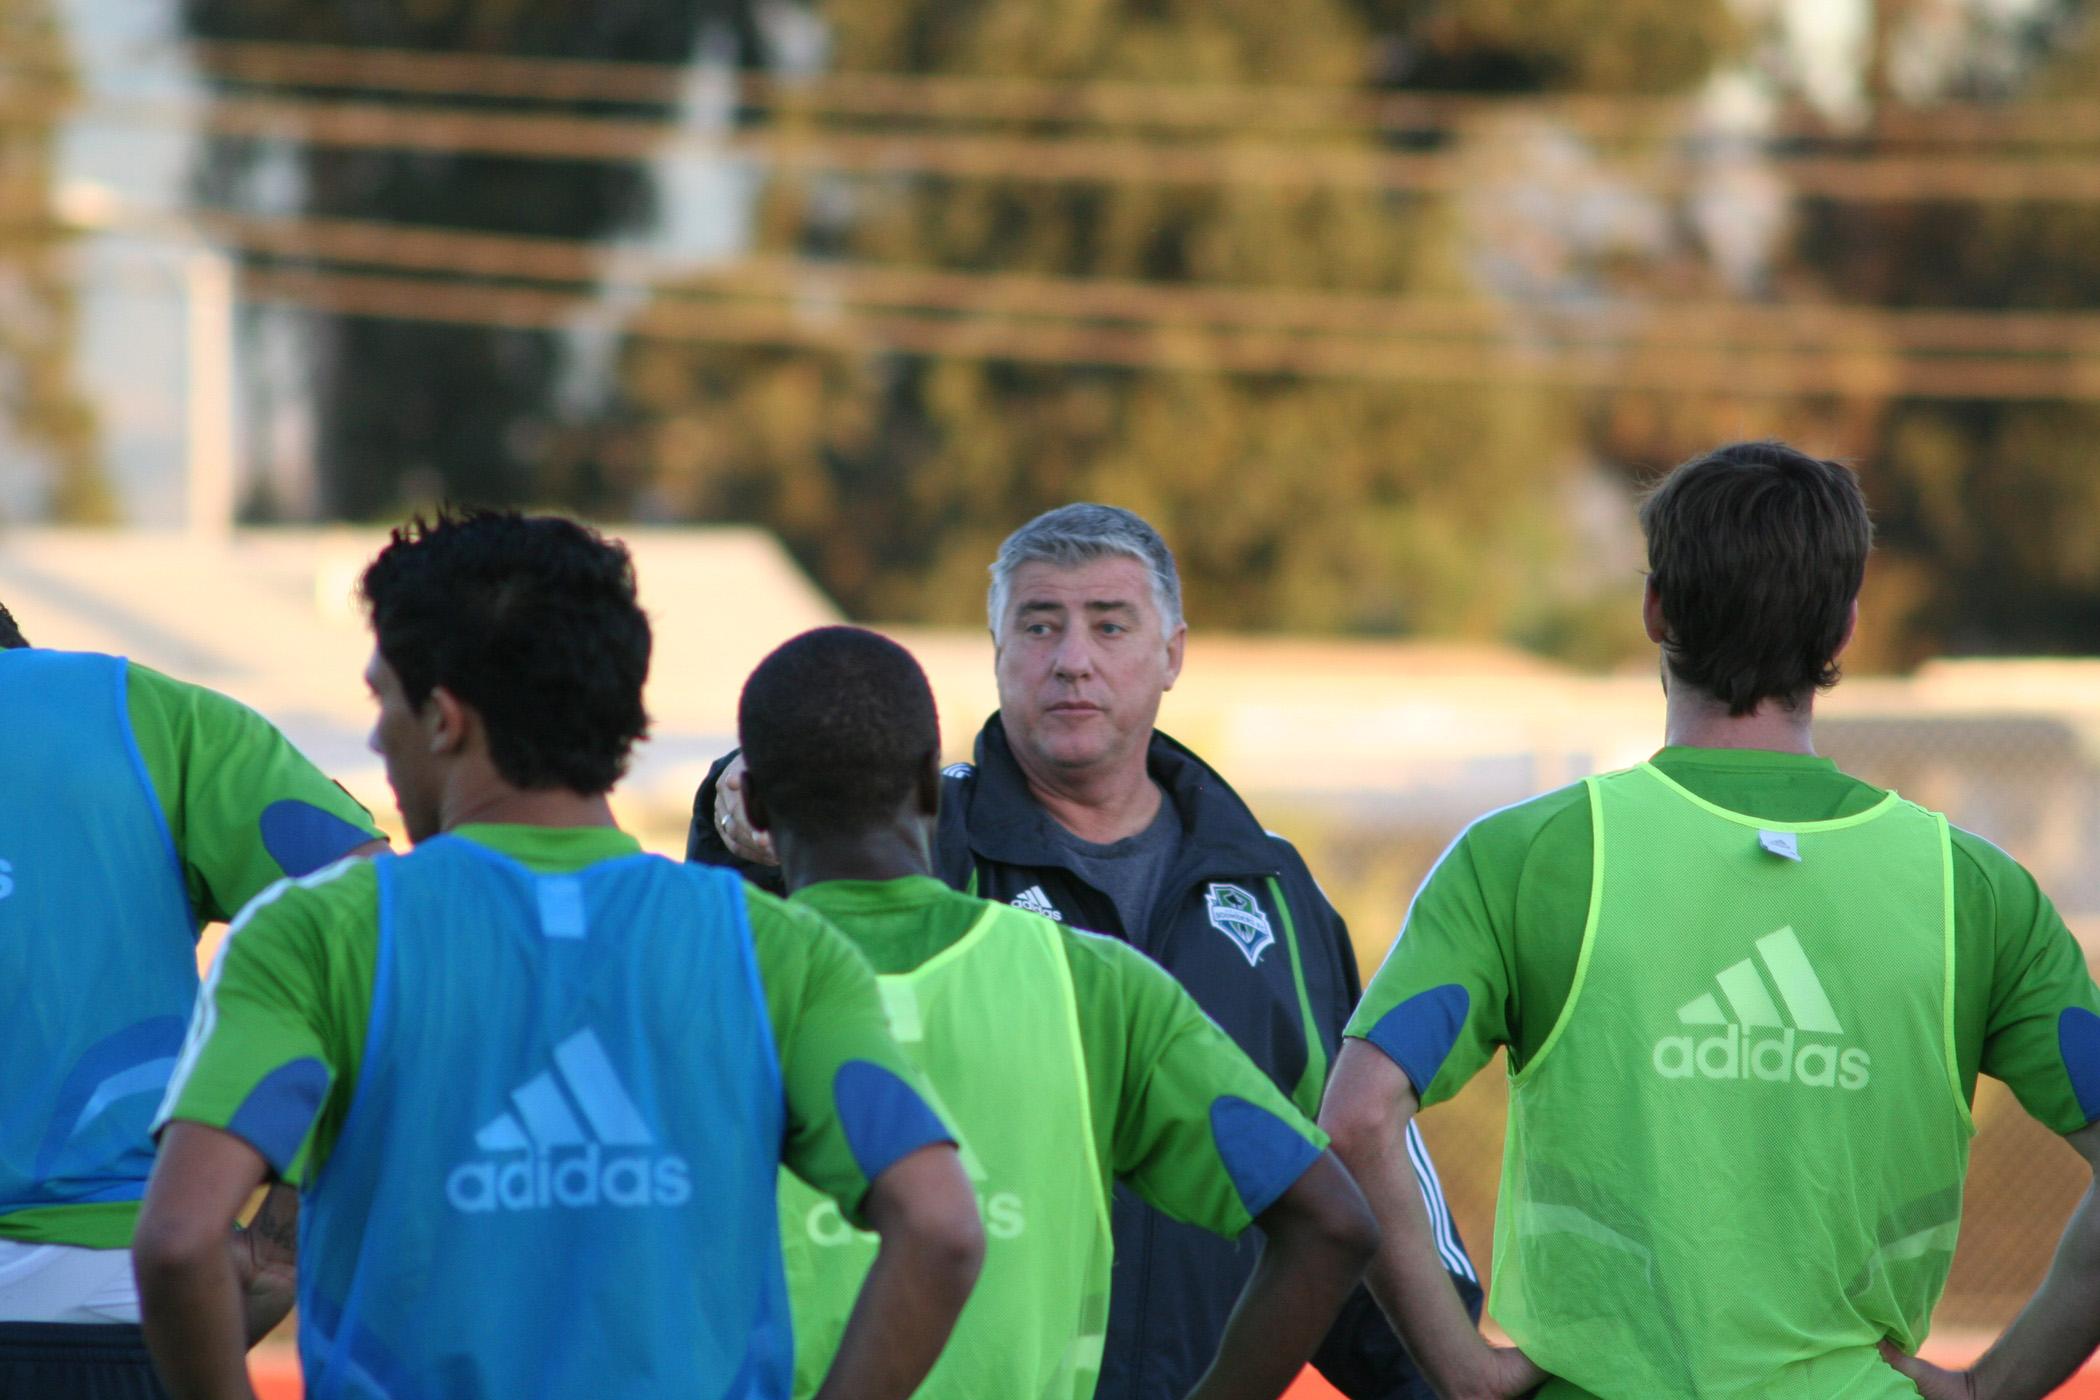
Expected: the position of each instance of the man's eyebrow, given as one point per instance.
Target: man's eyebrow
(1111, 605)
(1040, 605)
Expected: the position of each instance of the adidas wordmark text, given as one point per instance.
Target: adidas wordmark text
(1784, 1055)
(542, 1157)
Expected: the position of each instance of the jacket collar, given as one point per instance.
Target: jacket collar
(1219, 833)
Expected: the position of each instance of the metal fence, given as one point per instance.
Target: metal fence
(2028, 783)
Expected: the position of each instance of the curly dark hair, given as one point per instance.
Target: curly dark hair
(533, 621)
(1757, 552)
(836, 726)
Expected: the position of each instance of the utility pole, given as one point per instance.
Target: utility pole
(208, 280)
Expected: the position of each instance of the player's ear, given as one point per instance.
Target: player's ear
(929, 785)
(756, 814)
(449, 720)
(1851, 629)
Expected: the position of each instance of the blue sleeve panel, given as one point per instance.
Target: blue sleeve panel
(884, 1118)
(2078, 1038)
(302, 838)
(1262, 1154)
(1418, 1034)
(273, 1119)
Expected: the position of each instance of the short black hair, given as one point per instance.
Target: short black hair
(10, 634)
(533, 621)
(836, 725)
(1757, 551)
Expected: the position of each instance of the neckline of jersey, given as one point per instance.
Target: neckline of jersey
(1888, 803)
(860, 896)
(550, 850)
(1691, 755)
(978, 932)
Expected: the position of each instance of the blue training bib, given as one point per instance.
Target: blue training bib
(98, 961)
(557, 1174)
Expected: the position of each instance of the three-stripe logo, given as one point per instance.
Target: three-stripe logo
(1784, 1054)
(602, 1157)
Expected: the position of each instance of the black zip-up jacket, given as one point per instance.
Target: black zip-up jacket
(1241, 924)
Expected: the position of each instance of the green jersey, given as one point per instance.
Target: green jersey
(1490, 946)
(1735, 1166)
(1066, 1061)
(278, 1040)
(243, 808)
(1496, 953)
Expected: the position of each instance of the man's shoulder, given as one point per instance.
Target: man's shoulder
(2010, 891)
(299, 916)
(1512, 832)
(205, 712)
(1114, 985)
(799, 952)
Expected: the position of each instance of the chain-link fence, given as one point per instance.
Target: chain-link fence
(2025, 782)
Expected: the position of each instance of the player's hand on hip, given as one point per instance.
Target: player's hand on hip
(731, 824)
(1933, 1382)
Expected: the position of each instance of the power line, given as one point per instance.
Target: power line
(1116, 160)
(836, 328)
(981, 100)
(1811, 328)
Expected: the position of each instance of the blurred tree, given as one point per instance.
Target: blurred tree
(1989, 510)
(44, 409)
(410, 411)
(1306, 504)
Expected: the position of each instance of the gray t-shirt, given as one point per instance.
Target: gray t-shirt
(1128, 871)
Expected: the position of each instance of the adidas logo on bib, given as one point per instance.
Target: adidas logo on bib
(1754, 1041)
(542, 1156)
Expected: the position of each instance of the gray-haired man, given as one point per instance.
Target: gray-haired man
(1078, 809)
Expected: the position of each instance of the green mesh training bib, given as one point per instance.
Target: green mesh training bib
(992, 1023)
(1736, 1162)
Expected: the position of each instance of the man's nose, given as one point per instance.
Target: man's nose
(1075, 657)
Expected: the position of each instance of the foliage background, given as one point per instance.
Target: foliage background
(1485, 510)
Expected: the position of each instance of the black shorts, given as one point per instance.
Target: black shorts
(76, 1361)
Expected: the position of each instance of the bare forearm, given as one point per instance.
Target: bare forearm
(1407, 1276)
(907, 1308)
(190, 1261)
(1368, 1107)
(191, 1307)
(1281, 1317)
(2060, 1325)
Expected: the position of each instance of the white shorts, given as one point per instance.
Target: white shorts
(66, 1283)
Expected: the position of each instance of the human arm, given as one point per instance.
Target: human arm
(186, 1251)
(1369, 1104)
(244, 807)
(2054, 1333)
(932, 1247)
(1317, 1237)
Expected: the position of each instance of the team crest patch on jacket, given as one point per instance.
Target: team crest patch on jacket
(1036, 902)
(1234, 913)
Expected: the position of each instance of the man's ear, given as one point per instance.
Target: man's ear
(1652, 613)
(1851, 630)
(929, 785)
(1176, 648)
(451, 722)
(756, 815)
